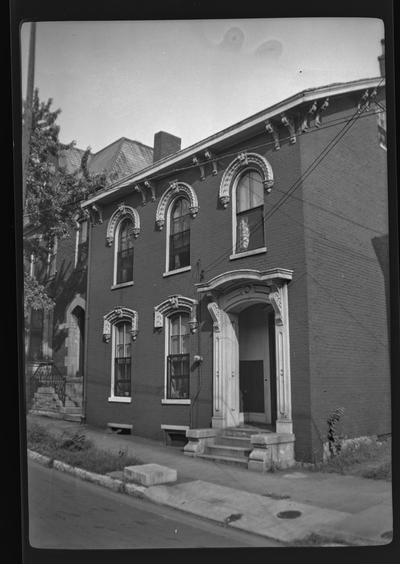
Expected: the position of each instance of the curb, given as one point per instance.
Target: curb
(99, 479)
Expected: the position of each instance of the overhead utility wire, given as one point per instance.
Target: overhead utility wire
(224, 156)
(327, 149)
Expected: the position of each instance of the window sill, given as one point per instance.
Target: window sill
(175, 401)
(122, 285)
(248, 253)
(177, 271)
(119, 399)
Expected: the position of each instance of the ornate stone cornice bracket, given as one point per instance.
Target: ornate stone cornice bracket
(215, 313)
(174, 304)
(176, 188)
(289, 124)
(319, 111)
(139, 189)
(94, 214)
(198, 163)
(305, 124)
(272, 130)
(120, 314)
(276, 302)
(366, 99)
(210, 157)
(150, 186)
(244, 160)
(122, 211)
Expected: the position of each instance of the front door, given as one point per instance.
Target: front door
(254, 365)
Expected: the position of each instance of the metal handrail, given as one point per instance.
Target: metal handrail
(46, 374)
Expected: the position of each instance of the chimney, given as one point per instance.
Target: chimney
(381, 59)
(165, 144)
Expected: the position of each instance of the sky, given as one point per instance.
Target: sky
(191, 78)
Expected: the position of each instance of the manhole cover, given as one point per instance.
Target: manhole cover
(290, 514)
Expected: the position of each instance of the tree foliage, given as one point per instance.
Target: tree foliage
(53, 193)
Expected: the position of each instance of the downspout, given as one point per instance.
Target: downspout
(85, 367)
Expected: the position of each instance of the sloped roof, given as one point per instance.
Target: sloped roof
(116, 161)
(241, 129)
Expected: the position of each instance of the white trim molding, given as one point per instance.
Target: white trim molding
(120, 314)
(176, 188)
(172, 305)
(241, 162)
(121, 212)
(229, 294)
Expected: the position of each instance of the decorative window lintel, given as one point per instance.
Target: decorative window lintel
(120, 314)
(242, 160)
(176, 188)
(174, 304)
(122, 211)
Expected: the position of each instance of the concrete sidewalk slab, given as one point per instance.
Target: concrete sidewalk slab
(373, 526)
(150, 474)
(347, 495)
(246, 511)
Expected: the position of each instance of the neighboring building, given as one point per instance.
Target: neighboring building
(235, 283)
(55, 340)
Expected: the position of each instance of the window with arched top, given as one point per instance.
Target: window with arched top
(124, 252)
(178, 240)
(178, 355)
(121, 362)
(248, 219)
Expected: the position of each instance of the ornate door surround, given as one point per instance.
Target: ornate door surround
(228, 294)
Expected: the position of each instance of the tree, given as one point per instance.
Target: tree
(53, 195)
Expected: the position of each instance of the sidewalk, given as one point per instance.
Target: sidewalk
(341, 508)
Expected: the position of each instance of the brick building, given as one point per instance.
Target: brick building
(55, 340)
(238, 286)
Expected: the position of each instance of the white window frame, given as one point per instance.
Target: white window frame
(169, 272)
(115, 285)
(165, 400)
(77, 232)
(112, 397)
(259, 250)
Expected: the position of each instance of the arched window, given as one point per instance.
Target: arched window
(179, 234)
(177, 385)
(121, 368)
(124, 252)
(249, 212)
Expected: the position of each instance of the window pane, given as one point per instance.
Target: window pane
(250, 230)
(249, 192)
(125, 266)
(178, 377)
(122, 361)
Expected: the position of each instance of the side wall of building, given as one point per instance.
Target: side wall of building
(345, 212)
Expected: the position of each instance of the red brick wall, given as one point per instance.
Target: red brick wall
(348, 328)
(211, 245)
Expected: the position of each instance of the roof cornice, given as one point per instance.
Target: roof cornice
(305, 96)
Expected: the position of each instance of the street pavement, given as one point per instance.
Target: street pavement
(67, 513)
(355, 510)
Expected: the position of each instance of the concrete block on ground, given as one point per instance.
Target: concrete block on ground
(150, 474)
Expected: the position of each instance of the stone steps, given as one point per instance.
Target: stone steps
(71, 409)
(243, 462)
(228, 451)
(231, 440)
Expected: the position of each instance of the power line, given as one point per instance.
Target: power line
(297, 183)
(267, 144)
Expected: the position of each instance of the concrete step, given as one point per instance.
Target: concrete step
(225, 459)
(244, 431)
(231, 440)
(229, 451)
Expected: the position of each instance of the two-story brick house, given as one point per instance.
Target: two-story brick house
(235, 284)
